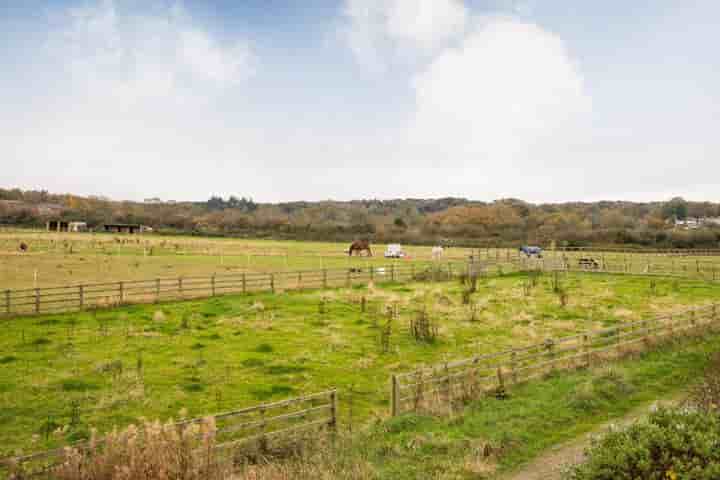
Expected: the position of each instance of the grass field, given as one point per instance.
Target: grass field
(73, 371)
(58, 259)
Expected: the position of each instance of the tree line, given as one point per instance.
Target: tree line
(502, 222)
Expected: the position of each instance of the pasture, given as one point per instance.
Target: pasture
(60, 259)
(65, 374)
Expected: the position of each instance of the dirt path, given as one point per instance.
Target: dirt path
(551, 464)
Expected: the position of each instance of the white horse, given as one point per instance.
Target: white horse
(437, 252)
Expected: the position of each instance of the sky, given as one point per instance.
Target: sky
(283, 100)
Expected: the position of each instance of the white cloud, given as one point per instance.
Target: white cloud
(378, 29)
(508, 88)
(122, 94)
(112, 51)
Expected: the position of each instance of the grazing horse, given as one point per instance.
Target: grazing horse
(23, 247)
(437, 252)
(358, 246)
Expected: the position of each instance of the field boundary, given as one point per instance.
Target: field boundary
(698, 271)
(36, 301)
(234, 429)
(456, 382)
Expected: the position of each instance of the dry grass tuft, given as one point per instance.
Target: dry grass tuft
(154, 451)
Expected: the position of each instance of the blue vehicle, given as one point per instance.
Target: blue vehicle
(531, 251)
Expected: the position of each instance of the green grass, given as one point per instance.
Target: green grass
(533, 418)
(229, 352)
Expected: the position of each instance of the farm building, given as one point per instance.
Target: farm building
(131, 228)
(78, 227)
(692, 223)
(66, 226)
(58, 226)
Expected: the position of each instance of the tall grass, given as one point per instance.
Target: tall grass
(152, 451)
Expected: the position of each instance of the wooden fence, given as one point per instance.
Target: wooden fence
(235, 429)
(708, 271)
(444, 385)
(35, 301)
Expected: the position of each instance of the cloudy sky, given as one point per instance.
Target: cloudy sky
(544, 100)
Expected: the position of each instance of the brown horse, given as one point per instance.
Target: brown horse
(358, 246)
(24, 247)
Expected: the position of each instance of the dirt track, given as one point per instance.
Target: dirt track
(551, 464)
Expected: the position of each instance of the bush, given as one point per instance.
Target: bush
(671, 444)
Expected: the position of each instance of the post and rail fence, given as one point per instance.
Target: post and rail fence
(233, 430)
(35, 301)
(455, 382)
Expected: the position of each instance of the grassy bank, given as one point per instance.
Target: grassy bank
(533, 418)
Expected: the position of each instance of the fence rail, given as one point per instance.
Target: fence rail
(36, 301)
(708, 271)
(234, 429)
(95, 295)
(458, 381)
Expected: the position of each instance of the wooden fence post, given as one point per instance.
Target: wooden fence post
(81, 296)
(180, 286)
(244, 283)
(513, 366)
(121, 287)
(272, 282)
(334, 410)
(449, 387)
(263, 427)
(212, 284)
(7, 302)
(395, 397)
(551, 352)
(325, 278)
(501, 382)
(392, 272)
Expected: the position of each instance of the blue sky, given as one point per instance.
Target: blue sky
(283, 100)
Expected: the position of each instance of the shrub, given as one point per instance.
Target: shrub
(671, 444)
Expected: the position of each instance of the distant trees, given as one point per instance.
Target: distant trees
(677, 208)
(243, 204)
(503, 222)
